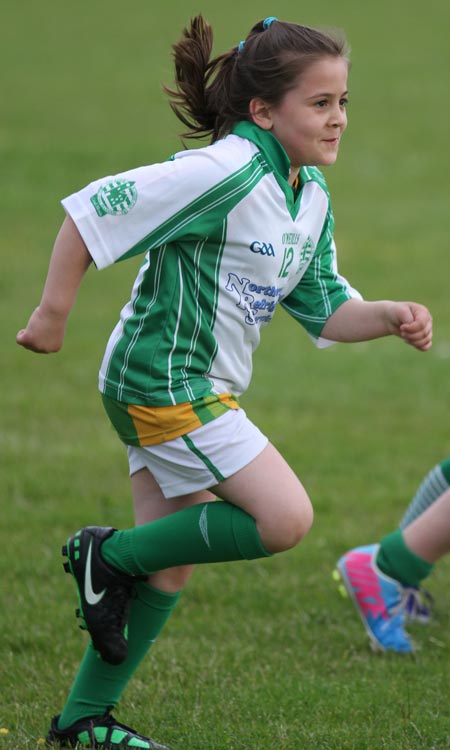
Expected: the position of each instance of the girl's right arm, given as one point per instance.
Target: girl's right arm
(69, 262)
(359, 320)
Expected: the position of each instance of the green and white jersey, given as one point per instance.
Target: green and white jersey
(225, 242)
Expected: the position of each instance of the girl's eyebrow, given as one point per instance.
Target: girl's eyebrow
(318, 95)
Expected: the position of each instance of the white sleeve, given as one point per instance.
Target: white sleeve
(126, 214)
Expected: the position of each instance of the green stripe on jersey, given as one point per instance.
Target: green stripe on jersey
(201, 216)
(167, 344)
(166, 347)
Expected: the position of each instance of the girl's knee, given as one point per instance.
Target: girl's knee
(296, 529)
(289, 529)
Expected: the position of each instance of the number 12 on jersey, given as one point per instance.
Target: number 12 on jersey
(287, 260)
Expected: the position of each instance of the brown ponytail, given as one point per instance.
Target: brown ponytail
(211, 95)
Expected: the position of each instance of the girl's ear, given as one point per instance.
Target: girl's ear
(260, 113)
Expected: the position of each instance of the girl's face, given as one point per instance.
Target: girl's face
(311, 118)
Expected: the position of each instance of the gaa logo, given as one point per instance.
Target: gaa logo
(116, 197)
(263, 248)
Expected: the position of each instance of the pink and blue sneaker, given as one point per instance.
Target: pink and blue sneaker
(379, 600)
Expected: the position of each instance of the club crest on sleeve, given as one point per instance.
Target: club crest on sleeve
(116, 197)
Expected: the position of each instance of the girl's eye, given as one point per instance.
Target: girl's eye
(324, 102)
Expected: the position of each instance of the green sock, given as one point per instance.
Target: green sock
(396, 560)
(99, 685)
(204, 533)
(436, 482)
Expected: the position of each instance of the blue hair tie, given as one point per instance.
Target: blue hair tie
(241, 46)
(268, 21)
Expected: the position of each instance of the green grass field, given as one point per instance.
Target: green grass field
(262, 654)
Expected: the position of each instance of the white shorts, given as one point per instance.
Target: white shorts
(203, 457)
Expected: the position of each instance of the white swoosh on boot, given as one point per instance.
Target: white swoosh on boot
(90, 595)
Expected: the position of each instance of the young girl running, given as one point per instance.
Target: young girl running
(229, 232)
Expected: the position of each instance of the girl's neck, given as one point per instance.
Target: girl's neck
(293, 174)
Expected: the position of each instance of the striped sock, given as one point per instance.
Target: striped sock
(436, 482)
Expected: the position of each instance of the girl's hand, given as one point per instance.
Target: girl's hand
(44, 332)
(412, 322)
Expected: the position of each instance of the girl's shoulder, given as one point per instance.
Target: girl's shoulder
(231, 152)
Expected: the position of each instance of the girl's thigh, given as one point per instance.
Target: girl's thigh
(150, 503)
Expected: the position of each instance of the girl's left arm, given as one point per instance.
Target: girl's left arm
(358, 320)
